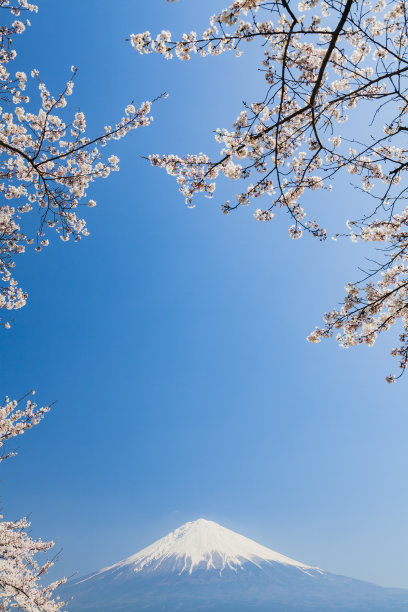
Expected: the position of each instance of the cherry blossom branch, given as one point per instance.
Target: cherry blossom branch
(319, 67)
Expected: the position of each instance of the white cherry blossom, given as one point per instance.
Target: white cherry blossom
(20, 572)
(322, 60)
(46, 163)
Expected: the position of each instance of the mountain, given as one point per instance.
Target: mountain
(203, 566)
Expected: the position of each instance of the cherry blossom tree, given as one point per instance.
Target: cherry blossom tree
(323, 62)
(47, 163)
(20, 573)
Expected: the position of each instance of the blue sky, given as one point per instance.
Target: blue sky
(174, 339)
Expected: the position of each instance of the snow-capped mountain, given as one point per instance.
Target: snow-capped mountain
(202, 545)
(204, 566)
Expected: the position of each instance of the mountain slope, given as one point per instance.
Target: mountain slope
(202, 545)
(203, 566)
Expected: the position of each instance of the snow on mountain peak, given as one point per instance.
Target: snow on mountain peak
(203, 544)
(202, 566)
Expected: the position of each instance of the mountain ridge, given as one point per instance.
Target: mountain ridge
(203, 566)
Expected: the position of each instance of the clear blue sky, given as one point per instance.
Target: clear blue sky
(174, 339)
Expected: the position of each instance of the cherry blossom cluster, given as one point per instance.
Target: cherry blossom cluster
(15, 419)
(46, 162)
(20, 573)
(323, 61)
(373, 306)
